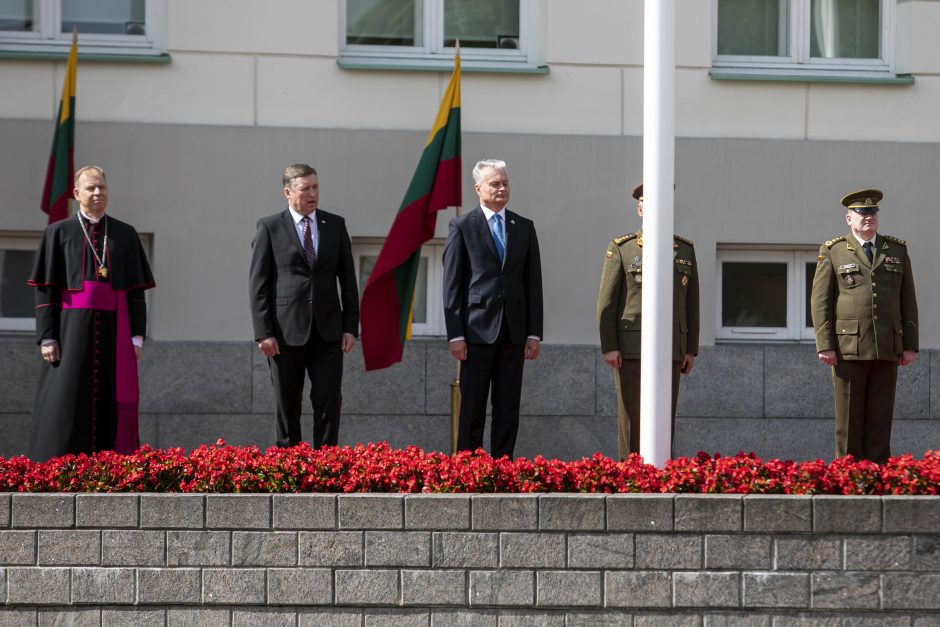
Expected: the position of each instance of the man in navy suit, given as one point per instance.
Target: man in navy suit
(492, 308)
(301, 323)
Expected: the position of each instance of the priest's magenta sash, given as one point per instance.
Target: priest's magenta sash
(99, 295)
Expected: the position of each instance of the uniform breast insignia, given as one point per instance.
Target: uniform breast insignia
(624, 238)
(682, 239)
(610, 254)
(893, 260)
(834, 240)
(848, 266)
(850, 280)
(895, 240)
(684, 280)
(821, 258)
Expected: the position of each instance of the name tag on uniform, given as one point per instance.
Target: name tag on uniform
(684, 262)
(893, 260)
(848, 266)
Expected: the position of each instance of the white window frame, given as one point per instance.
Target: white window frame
(434, 55)
(433, 252)
(794, 258)
(48, 39)
(19, 241)
(799, 60)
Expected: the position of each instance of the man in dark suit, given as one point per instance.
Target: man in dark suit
(301, 323)
(492, 308)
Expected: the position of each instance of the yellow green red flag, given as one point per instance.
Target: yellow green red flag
(58, 188)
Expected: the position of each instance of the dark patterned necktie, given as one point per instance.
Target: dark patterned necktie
(498, 237)
(309, 252)
(868, 250)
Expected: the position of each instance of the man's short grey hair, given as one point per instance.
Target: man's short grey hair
(296, 170)
(88, 168)
(496, 164)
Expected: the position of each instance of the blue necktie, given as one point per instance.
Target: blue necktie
(498, 238)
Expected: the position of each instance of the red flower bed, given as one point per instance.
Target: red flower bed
(379, 468)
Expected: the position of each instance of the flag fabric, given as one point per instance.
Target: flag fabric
(386, 308)
(58, 188)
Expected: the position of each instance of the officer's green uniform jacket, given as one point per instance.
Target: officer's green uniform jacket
(619, 303)
(864, 310)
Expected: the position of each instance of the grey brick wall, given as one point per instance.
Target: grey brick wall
(491, 560)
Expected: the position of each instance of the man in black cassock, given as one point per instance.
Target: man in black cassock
(91, 317)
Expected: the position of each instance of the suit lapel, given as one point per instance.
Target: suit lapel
(878, 252)
(324, 236)
(512, 235)
(855, 246)
(287, 220)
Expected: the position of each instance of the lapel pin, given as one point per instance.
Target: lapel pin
(512, 222)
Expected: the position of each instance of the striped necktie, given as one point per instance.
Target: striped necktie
(309, 252)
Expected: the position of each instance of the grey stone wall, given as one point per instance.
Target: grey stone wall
(487, 560)
(773, 399)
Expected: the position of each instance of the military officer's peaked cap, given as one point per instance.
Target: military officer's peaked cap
(863, 201)
(638, 192)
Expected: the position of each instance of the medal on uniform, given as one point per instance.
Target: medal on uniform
(638, 278)
(849, 280)
(685, 280)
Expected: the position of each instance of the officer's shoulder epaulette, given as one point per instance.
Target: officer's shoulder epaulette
(624, 238)
(896, 240)
(834, 240)
(682, 239)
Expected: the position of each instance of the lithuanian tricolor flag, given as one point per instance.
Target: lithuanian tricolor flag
(58, 188)
(387, 301)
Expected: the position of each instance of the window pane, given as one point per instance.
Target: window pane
(108, 17)
(17, 299)
(420, 315)
(810, 273)
(16, 15)
(482, 23)
(384, 22)
(846, 29)
(753, 294)
(753, 27)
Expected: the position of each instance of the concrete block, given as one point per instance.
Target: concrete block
(773, 513)
(565, 437)
(262, 391)
(800, 619)
(531, 550)
(5, 500)
(427, 432)
(19, 375)
(560, 367)
(396, 618)
(605, 391)
(914, 436)
(367, 587)
(64, 547)
(233, 586)
(637, 589)
(103, 586)
(808, 553)
(926, 553)
(198, 617)
(437, 511)
(206, 377)
(434, 587)
(106, 510)
(455, 549)
(398, 548)
(264, 548)
(304, 511)
(73, 617)
(14, 434)
(728, 381)
(668, 551)
(799, 387)
(172, 511)
(463, 618)
(640, 512)
(3, 590)
(189, 431)
(371, 511)
(263, 617)
(238, 511)
(17, 548)
(846, 514)
(934, 384)
(910, 591)
(707, 589)
(300, 586)
(127, 547)
(611, 550)
(556, 588)
(606, 618)
(169, 586)
(329, 618)
(876, 619)
(770, 438)
(776, 590)
(581, 512)
(43, 510)
(708, 512)
(38, 586)
(882, 553)
(738, 552)
(198, 548)
(498, 512)
(113, 617)
(330, 548)
(502, 587)
(10, 617)
(523, 618)
(845, 591)
(729, 619)
(908, 514)
(396, 390)
(912, 400)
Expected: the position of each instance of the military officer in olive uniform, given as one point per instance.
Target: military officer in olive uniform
(865, 317)
(619, 307)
